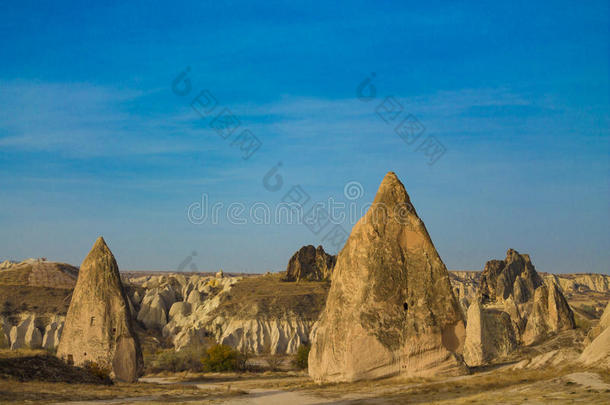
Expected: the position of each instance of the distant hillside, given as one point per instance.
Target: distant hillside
(37, 286)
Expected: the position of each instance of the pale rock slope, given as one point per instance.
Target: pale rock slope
(598, 351)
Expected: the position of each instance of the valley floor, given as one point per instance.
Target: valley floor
(501, 385)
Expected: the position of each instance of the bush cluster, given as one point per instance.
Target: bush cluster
(224, 358)
(175, 361)
(301, 359)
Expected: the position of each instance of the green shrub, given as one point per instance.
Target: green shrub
(223, 358)
(301, 359)
(174, 361)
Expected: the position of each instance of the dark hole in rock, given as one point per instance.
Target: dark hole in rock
(405, 306)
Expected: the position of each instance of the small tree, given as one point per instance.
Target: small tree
(301, 359)
(274, 362)
(222, 358)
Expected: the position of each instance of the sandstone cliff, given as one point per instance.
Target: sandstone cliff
(390, 309)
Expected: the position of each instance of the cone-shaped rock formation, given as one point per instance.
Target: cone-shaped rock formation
(98, 325)
(390, 309)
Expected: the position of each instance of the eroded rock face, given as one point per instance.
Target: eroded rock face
(153, 311)
(597, 352)
(52, 334)
(550, 313)
(310, 263)
(604, 322)
(26, 333)
(390, 309)
(514, 276)
(489, 334)
(277, 336)
(98, 326)
(536, 307)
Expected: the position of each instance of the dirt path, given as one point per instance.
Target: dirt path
(254, 396)
(588, 380)
(277, 397)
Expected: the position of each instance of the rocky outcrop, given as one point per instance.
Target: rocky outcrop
(7, 264)
(604, 322)
(514, 276)
(98, 326)
(272, 336)
(536, 306)
(391, 308)
(26, 333)
(597, 353)
(489, 334)
(311, 264)
(153, 311)
(52, 334)
(179, 309)
(582, 282)
(550, 314)
(193, 322)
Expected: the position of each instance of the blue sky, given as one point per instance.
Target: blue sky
(94, 141)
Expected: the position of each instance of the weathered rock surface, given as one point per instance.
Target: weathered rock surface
(550, 314)
(604, 322)
(489, 334)
(310, 263)
(598, 351)
(514, 276)
(536, 306)
(153, 311)
(466, 283)
(582, 282)
(26, 333)
(52, 334)
(391, 308)
(179, 309)
(98, 326)
(273, 336)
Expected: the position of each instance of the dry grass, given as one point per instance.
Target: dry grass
(43, 392)
(499, 386)
(20, 298)
(268, 296)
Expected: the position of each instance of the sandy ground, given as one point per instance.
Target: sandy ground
(578, 387)
(500, 385)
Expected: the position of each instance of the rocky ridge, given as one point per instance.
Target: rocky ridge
(513, 305)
